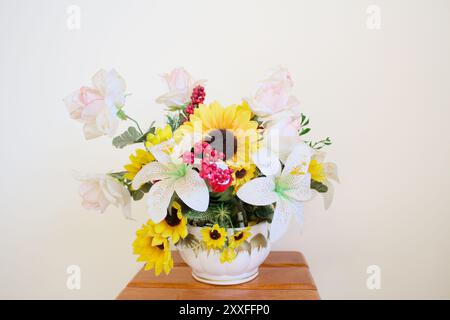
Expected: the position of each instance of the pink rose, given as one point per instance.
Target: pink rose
(180, 84)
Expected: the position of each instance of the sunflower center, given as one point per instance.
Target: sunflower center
(239, 236)
(223, 140)
(161, 247)
(241, 173)
(172, 219)
(214, 235)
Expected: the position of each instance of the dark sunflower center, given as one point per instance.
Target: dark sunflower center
(241, 173)
(160, 247)
(172, 219)
(239, 236)
(223, 141)
(214, 234)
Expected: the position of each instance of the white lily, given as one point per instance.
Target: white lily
(172, 175)
(288, 189)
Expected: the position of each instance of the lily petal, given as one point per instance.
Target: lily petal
(258, 192)
(150, 172)
(193, 191)
(159, 199)
(299, 159)
(298, 187)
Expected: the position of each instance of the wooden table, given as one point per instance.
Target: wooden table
(283, 276)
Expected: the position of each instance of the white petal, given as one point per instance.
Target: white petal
(329, 195)
(90, 130)
(299, 159)
(193, 190)
(150, 172)
(267, 161)
(282, 216)
(331, 171)
(161, 151)
(99, 81)
(159, 199)
(258, 192)
(297, 187)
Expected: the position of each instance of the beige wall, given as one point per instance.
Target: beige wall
(382, 95)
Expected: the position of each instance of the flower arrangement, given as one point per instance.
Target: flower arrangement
(220, 169)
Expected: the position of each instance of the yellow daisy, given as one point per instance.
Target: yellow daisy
(156, 257)
(239, 237)
(174, 225)
(317, 171)
(242, 174)
(229, 130)
(214, 237)
(139, 160)
(160, 135)
(227, 255)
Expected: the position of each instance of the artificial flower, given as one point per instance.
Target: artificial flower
(141, 158)
(174, 225)
(98, 191)
(273, 97)
(288, 188)
(239, 237)
(96, 107)
(170, 175)
(227, 255)
(160, 135)
(214, 237)
(180, 85)
(157, 257)
(323, 172)
(242, 174)
(229, 130)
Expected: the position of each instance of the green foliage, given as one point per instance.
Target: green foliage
(304, 121)
(320, 144)
(318, 186)
(199, 218)
(135, 194)
(130, 136)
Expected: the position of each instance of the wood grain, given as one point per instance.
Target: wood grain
(284, 275)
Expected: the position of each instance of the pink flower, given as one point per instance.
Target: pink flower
(180, 85)
(98, 191)
(273, 96)
(96, 106)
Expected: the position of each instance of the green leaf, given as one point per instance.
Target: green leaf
(130, 136)
(121, 114)
(318, 186)
(305, 131)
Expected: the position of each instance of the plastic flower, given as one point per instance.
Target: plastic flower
(288, 188)
(170, 175)
(141, 158)
(160, 135)
(98, 191)
(96, 107)
(322, 172)
(229, 130)
(157, 257)
(242, 174)
(273, 97)
(227, 255)
(214, 237)
(180, 85)
(174, 225)
(239, 237)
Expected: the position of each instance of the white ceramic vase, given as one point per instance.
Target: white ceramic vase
(206, 265)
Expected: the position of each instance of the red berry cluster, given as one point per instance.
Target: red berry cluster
(216, 173)
(197, 97)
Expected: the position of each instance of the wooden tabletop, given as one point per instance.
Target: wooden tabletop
(283, 276)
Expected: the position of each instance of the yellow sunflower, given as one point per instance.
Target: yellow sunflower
(227, 255)
(160, 135)
(157, 257)
(139, 160)
(174, 225)
(242, 174)
(239, 237)
(317, 171)
(229, 130)
(214, 237)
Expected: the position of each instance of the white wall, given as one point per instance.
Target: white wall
(382, 95)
